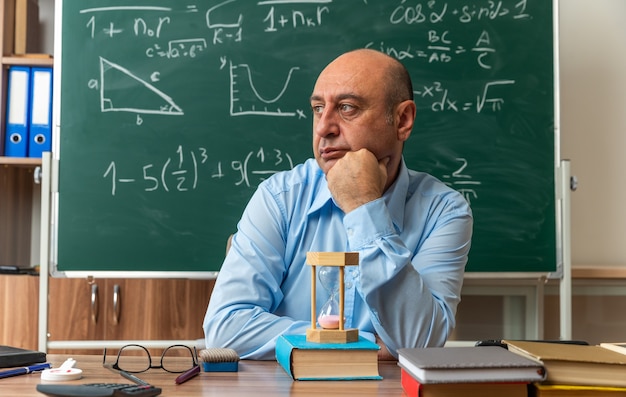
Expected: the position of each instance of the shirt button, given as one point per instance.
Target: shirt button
(350, 232)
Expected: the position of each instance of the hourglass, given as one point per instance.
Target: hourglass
(328, 317)
(331, 315)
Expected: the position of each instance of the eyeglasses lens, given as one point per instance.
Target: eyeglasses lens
(178, 359)
(133, 359)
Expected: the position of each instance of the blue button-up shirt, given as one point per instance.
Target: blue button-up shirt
(413, 245)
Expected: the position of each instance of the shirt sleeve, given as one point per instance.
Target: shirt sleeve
(247, 291)
(412, 293)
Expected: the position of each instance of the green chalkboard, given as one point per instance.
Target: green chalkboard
(171, 113)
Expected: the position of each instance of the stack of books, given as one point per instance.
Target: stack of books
(576, 370)
(485, 371)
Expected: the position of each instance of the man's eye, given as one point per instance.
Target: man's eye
(317, 109)
(346, 108)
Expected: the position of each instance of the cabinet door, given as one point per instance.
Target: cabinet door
(75, 310)
(156, 309)
(19, 308)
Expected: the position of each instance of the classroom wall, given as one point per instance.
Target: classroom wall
(593, 126)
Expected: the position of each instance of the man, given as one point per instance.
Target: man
(412, 232)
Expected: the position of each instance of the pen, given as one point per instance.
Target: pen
(184, 377)
(24, 370)
(134, 378)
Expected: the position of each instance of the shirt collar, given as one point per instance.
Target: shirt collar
(323, 195)
(394, 197)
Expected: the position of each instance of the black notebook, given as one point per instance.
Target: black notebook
(17, 357)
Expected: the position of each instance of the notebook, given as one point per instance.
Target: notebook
(16, 357)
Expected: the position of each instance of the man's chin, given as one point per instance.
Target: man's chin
(326, 165)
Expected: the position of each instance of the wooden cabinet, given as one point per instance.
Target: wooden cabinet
(19, 308)
(126, 309)
(106, 309)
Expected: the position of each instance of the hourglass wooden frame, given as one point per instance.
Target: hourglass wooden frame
(341, 260)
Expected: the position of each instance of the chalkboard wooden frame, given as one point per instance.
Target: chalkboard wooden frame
(130, 179)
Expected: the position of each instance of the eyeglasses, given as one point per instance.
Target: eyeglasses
(135, 359)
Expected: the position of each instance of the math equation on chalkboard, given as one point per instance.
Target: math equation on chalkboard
(186, 169)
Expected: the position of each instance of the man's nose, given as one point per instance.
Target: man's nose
(326, 123)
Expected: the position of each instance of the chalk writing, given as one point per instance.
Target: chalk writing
(188, 169)
(461, 182)
(222, 30)
(442, 101)
(156, 101)
(442, 49)
(245, 99)
(295, 19)
(435, 12)
(190, 48)
(225, 23)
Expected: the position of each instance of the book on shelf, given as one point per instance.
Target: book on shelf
(17, 357)
(545, 390)
(413, 388)
(26, 36)
(468, 364)
(304, 360)
(569, 364)
(619, 347)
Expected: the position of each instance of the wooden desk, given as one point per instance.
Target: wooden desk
(255, 378)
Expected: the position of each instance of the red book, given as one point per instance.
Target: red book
(413, 388)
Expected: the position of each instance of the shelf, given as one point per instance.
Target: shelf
(26, 161)
(599, 272)
(29, 60)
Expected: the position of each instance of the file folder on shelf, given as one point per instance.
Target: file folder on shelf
(18, 105)
(40, 126)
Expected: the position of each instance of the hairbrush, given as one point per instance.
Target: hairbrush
(219, 359)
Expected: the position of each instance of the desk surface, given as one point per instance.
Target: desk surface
(255, 378)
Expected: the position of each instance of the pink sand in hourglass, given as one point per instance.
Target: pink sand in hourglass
(329, 321)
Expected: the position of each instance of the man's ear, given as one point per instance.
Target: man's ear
(405, 112)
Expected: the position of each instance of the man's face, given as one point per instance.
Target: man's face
(350, 112)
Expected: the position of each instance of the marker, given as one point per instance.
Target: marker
(184, 377)
(24, 370)
(134, 378)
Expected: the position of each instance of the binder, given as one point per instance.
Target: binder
(18, 105)
(15, 357)
(40, 125)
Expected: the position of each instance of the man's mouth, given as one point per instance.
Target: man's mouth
(332, 153)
